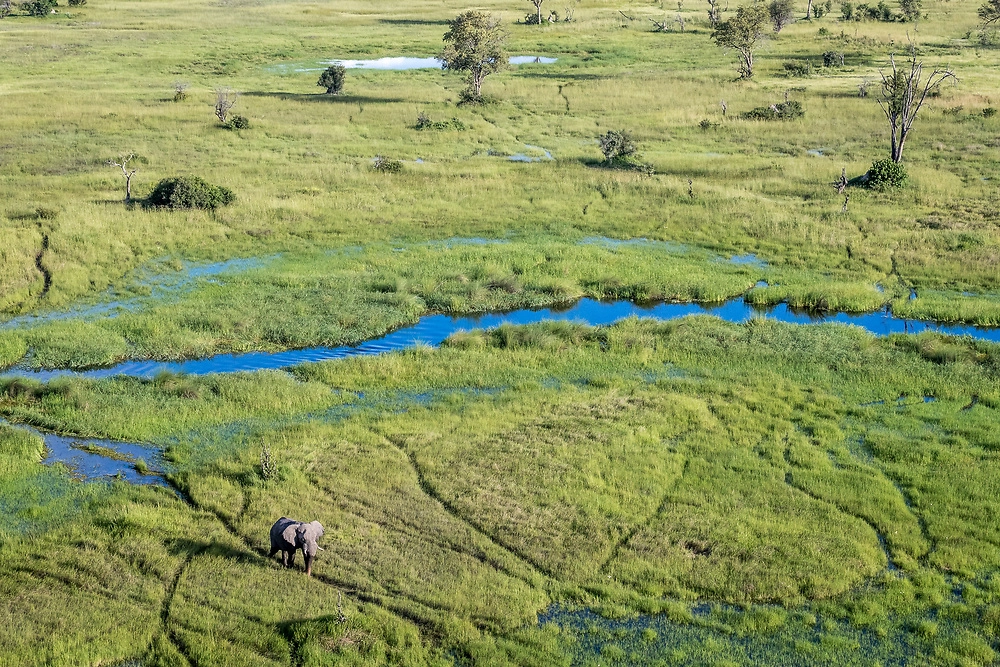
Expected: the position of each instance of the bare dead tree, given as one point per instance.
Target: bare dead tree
(725, 108)
(903, 93)
(841, 185)
(225, 100)
(180, 90)
(680, 21)
(630, 18)
(809, 9)
(714, 13)
(538, 9)
(659, 26)
(122, 162)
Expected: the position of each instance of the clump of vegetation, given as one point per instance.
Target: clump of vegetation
(77, 3)
(886, 175)
(833, 59)
(237, 122)
(621, 152)
(788, 110)
(181, 91)
(5, 8)
(989, 112)
(797, 68)
(781, 13)
(39, 8)
(268, 467)
(475, 44)
(189, 192)
(742, 33)
(386, 165)
(903, 94)
(332, 79)
(424, 122)
(225, 100)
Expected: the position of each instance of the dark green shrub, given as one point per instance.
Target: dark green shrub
(910, 9)
(781, 13)
(847, 11)
(783, 111)
(797, 68)
(386, 165)
(238, 123)
(618, 146)
(424, 122)
(189, 192)
(886, 175)
(38, 7)
(833, 59)
(77, 3)
(989, 112)
(333, 79)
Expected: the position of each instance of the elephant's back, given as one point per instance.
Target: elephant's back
(280, 526)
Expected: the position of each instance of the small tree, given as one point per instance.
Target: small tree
(475, 44)
(781, 13)
(910, 9)
(123, 162)
(180, 91)
(38, 7)
(742, 33)
(4, 8)
(333, 79)
(618, 146)
(538, 10)
(989, 13)
(225, 100)
(903, 94)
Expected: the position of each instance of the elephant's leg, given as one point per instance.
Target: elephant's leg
(309, 564)
(274, 550)
(291, 559)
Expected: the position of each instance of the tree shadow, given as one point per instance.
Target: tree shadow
(413, 22)
(563, 76)
(190, 548)
(328, 99)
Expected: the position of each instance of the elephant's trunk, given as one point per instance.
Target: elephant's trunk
(309, 564)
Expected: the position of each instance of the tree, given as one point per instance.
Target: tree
(989, 13)
(225, 100)
(122, 162)
(333, 79)
(742, 32)
(903, 94)
(618, 146)
(538, 10)
(781, 13)
(475, 44)
(715, 13)
(4, 8)
(39, 7)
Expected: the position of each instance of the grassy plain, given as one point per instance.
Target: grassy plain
(759, 493)
(795, 472)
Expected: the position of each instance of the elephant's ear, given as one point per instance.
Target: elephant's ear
(319, 529)
(288, 534)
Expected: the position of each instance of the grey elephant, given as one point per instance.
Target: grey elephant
(289, 535)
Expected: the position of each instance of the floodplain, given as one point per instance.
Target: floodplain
(667, 489)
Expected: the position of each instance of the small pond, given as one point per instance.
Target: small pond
(395, 63)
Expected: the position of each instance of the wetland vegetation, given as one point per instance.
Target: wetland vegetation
(691, 492)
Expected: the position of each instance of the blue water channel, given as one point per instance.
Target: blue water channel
(434, 329)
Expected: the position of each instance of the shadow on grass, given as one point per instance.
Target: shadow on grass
(323, 97)
(186, 547)
(563, 76)
(413, 22)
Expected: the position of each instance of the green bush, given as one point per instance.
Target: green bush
(424, 122)
(797, 68)
(618, 146)
(386, 165)
(886, 175)
(238, 123)
(189, 192)
(333, 79)
(783, 111)
(77, 3)
(833, 59)
(39, 7)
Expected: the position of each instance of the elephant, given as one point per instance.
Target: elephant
(288, 535)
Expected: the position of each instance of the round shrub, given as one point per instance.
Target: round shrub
(333, 79)
(189, 192)
(618, 145)
(886, 175)
(386, 165)
(238, 123)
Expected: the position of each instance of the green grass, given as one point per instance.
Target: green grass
(613, 468)
(719, 493)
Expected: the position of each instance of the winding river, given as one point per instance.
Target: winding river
(433, 329)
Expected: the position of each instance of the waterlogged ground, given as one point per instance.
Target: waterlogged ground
(718, 416)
